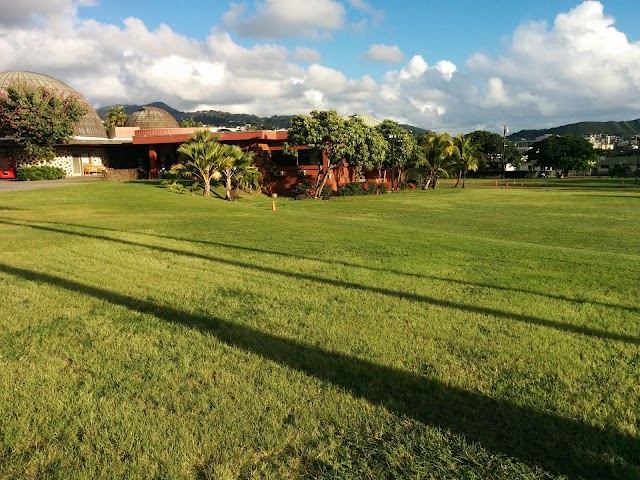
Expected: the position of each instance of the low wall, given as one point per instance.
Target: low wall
(122, 174)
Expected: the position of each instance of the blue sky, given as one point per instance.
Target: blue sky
(450, 66)
(454, 30)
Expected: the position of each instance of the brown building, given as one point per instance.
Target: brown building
(148, 146)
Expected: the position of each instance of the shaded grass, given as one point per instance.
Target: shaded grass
(428, 334)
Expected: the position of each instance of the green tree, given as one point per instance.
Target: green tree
(466, 155)
(563, 153)
(202, 157)
(37, 118)
(116, 117)
(189, 122)
(324, 131)
(491, 146)
(370, 147)
(238, 169)
(402, 145)
(436, 158)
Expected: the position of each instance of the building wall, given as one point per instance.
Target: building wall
(64, 157)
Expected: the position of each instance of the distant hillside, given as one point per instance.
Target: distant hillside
(622, 129)
(129, 109)
(226, 119)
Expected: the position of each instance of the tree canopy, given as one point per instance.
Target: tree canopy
(491, 144)
(189, 122)
(570, 152)
(38, 118)
(116, 117)
(402, 145)
(326, 131)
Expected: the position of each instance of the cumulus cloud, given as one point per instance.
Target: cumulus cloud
(27, 12)
(286, 18)
(376, 15)
(582, 60)
(578, 68)
(307, 55)
(384, 53)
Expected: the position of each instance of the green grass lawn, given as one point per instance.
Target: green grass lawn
(477, 333)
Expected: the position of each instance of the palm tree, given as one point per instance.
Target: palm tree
(238, 170)
(467, 156)
(202, 157)
(116, 117)
(436, 158)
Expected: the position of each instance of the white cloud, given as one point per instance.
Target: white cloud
(446, 68)
(578, 68)
(286, 18)
(307, 55)
(376, 15)
(384, 53)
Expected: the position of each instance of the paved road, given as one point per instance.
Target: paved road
(15, 186)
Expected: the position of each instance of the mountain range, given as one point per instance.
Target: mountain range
(623, 129)
(226, 119)
(218, 118)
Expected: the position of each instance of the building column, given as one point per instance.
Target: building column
(153, 163)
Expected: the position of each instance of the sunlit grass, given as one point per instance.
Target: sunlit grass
(477, 333)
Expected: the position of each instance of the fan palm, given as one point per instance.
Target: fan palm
(467, 156)
(202, 157)
(436, 154)
(239, 170)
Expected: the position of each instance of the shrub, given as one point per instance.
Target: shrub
(305, 188)
(407, 186)
(39, 172)
(361, 188)
(619, 170)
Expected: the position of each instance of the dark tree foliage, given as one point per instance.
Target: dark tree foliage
(38, 118)
(491, 145)
(570, 152)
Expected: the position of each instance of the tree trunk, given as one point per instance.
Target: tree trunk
(458, 179)
(464, 177)
(324, 181)
(206, 187)
(228, 186)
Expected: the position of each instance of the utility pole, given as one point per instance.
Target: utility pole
(392, 138)
(504, 147)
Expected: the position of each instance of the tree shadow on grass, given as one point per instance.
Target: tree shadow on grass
(546, 295)
(420, 298)
(559, 445)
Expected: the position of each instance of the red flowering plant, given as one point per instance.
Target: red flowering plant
(37, 118)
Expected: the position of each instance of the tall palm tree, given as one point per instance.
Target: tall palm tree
(436, 154)
(467, 156)
(238, 170)
(202, 157)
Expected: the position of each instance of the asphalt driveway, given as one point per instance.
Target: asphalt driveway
(15, 186)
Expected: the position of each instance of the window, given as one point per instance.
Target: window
(282, 160)
(308, 157)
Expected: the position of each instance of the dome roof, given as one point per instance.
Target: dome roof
(151, 117)
(89, 126)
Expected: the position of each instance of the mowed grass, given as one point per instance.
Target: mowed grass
(477, 333)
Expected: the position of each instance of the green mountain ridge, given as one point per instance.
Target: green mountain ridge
(226, 119)
(628, 128)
